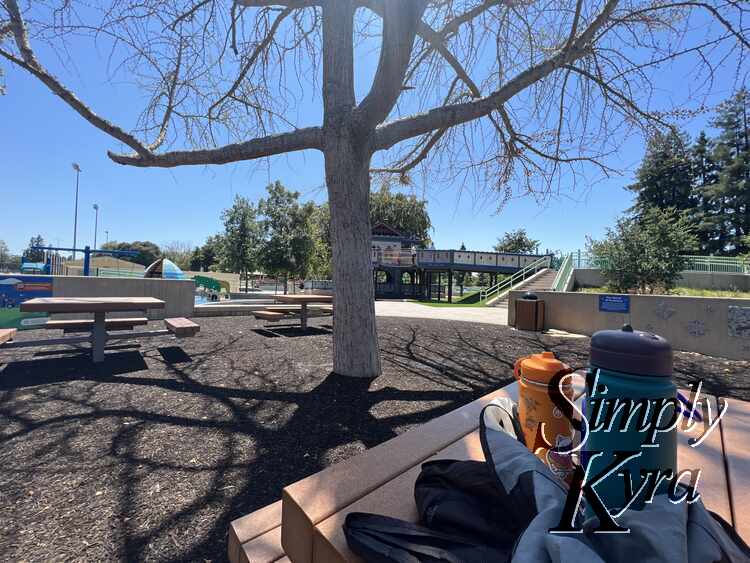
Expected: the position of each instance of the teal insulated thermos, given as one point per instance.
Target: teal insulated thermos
(628, 364)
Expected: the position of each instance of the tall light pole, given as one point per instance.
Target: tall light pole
(75, 219)
(106, 234)
(96, 222)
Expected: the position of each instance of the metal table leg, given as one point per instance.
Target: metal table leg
(303, 316)
(98, 338)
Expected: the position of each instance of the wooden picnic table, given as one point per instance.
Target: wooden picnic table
(306, 525)
(303, 301)
(99, 306)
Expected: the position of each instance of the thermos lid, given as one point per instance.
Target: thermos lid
(631, 351)
(540, 368)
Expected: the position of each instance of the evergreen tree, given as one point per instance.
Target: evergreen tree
(705, 176)
(732, 190)
(664, 178)
(461, 276)
(35, 255)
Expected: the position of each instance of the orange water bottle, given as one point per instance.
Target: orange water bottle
(535, 374)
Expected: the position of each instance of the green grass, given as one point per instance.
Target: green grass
(470, 299)
(686, 291)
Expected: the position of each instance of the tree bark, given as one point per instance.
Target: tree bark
(355, 338)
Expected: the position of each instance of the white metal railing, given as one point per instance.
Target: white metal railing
(507, 284)
(563, 274)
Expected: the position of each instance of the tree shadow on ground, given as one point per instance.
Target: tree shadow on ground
(188, 440)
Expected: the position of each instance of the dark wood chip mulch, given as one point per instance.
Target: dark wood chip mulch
(151, 454)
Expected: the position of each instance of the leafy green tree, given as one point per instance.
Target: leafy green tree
(4, 253)
(287, 244)
(241, 238)
(208, 257)
(32, 255)
(196, 260)
(320, 261)
(179, 253)
(148, 252)
(516, 241)
(405, 213)
(644, 252)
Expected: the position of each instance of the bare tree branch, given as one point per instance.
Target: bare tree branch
(447, 116)
(399, 29)
(301, 139)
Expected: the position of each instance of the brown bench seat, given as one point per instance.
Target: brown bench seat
(276, 313)
(182, 327)
(84, 325)
(271, 315)
(6, 335)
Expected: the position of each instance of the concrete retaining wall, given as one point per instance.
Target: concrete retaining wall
(707, 325)
(178, 295)
(590, 277)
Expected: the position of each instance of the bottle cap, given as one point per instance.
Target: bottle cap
(631, 351)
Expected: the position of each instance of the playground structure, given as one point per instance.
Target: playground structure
(401, 270)
(212, 287)
(53, 262)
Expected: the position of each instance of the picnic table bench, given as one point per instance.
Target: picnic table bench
(305, 526)
(7, 334)
(97, 327)
(300, 307)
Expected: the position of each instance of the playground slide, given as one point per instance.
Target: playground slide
(211, 284)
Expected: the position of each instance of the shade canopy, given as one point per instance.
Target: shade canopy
(166, 269)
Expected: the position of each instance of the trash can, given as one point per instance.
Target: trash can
(530, 313)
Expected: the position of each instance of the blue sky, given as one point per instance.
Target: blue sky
(41, 137)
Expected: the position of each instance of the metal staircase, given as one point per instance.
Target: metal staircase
(500, 290)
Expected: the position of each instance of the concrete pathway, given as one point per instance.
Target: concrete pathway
(488, 315)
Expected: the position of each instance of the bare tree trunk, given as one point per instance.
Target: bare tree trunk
(355, 338)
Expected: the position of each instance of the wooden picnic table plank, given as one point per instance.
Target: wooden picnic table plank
(304, 301)
(735, 427)
(303, 298)
(99, 306)
(7, 334)
(90, 304)
(709, 458)
(308, 502)
(396, 497)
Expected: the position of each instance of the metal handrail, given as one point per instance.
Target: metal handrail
(563, 274)
(508, 283)
(725, 264)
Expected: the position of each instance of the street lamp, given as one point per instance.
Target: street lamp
(75, 219)
(106, 234)
(96, 222)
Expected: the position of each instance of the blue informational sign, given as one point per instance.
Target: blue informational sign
(614, 303)
(14, 290)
